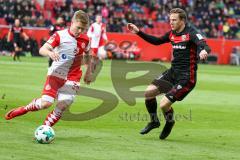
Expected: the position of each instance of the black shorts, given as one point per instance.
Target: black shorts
(18, 43)
(175, 84)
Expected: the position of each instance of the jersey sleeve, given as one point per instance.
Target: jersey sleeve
(199, 40)
(54, 40)
(154, 40)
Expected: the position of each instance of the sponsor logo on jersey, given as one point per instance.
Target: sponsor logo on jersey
(179, 47)
(64, 56)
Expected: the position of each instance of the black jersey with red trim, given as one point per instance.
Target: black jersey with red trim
(186, 47)
(17, 31)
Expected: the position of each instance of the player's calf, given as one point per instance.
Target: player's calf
(54, 116)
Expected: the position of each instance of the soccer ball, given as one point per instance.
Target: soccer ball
(44, 134)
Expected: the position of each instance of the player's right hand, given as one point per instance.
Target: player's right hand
(54, 56)
(87, 78)
(203, 55)
(133, 28)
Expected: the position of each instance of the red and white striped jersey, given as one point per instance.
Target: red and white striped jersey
(70, 50)
(97, 34)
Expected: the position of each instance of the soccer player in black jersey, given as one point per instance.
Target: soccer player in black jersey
(17, 31)
(188, 46)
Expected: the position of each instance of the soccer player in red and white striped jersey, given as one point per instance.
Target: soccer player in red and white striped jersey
(66, 48)
(97, 34)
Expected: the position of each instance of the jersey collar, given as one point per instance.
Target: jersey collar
(71, 33)
(183, 31)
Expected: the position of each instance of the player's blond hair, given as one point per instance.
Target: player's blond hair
(81, 16)
(182, 14)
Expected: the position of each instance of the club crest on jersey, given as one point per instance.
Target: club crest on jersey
(184, 37)
(48, 87)
(83, 45)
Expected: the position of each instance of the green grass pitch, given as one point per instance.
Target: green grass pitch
(207, 125)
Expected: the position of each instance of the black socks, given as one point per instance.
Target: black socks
(151, 105)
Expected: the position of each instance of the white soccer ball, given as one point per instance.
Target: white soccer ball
(44, 134)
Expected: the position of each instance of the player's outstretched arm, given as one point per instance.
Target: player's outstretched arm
(47, 50)
(149, 38)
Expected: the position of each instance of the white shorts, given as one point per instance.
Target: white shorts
(60, 89)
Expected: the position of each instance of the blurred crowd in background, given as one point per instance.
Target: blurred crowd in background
(215, 18)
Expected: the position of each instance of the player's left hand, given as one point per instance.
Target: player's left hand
(203, 55)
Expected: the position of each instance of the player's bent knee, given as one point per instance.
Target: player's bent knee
(148, 95)
(151, 92)
(46, 104)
